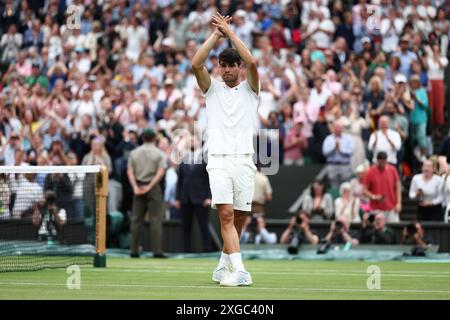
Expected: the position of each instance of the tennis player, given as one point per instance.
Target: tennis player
(231, 108)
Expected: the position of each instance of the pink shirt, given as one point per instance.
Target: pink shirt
(309, 113)
(294, 153)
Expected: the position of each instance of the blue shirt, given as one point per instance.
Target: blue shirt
(341, 156)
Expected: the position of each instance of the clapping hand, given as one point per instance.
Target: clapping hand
(222, 24)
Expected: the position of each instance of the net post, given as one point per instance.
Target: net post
(101, 193)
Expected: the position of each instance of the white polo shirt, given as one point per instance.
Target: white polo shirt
(232, 118)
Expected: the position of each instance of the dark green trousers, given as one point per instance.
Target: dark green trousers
(151, 203)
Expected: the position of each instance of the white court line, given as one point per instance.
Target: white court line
(300, 273)
(216, 286)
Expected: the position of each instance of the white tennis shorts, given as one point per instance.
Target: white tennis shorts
(232, 180)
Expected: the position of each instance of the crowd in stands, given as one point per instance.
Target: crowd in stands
(350, 84)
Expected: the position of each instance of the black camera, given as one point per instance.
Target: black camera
(371, 218)
(411, 228)
(294, 244)
(338, 225)
(299, 220)
(50, 198)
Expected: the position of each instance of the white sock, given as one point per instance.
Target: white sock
(224, 260)
(236, 261)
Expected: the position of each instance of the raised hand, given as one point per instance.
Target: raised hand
(222, 24)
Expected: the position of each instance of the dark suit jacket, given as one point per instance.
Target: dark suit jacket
(193, 183)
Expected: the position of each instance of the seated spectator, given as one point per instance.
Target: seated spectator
(426, 188)
(374, 230)
(347, 205)
(383, 187)
(298, 231)
(340, 233)
(318, 203)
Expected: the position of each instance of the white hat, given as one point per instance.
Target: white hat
(168, 42)
(241, 13)
(400, 78)
(365, 40)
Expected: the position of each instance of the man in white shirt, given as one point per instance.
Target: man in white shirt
(385, 139)
(232, 115)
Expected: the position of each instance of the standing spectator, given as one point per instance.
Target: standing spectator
(383, 187)
(318, 203)
(357, 187)
(294, 143)
(391, 29)
(145, 177)
(436, 64)
(98, 155)
(10, 45)
(406, 56)
(338, 148)
(419, 118)
(136, 37)
(193, 196)
(385, 140)
(427, 189)
(347, 204)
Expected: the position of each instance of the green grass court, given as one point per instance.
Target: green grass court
(181, 279)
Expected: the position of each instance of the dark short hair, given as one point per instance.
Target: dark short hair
(382, 155)
(230, 56)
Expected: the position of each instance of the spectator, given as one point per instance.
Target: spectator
(318, 203)
(436, 64)
(419, 118)
(383, 187)
(27, 194)
(98, 155)
(406, 56)
(294, 143)
(338, 148)
(375, 231)
(426, 188)
(347, 205)
(385, 140)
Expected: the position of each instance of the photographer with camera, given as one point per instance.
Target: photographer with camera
(298, 232)
(374, 230)
(340, 232)
(255, 231)
(48, 217)
(414, 234)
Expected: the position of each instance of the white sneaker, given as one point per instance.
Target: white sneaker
(238, 278)
(219, 274)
